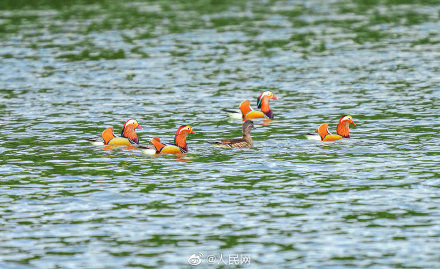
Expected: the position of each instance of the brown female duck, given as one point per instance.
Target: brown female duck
(244, 142)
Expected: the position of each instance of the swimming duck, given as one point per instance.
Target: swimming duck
(179, 145)
(342, 130)
(244, 142)
(128, 135)
(262, 103)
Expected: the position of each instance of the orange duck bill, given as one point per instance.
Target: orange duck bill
(179, 145)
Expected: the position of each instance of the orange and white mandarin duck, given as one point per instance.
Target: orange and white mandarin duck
(128, 135)
(244, 142)
(262, 103)
(342, 130)
(179, 145)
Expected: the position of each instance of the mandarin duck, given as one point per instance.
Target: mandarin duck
(342, 130)
(262, 103)
(128, 135)
(179, 145)
(244, 142)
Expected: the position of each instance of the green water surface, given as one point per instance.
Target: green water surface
(69, 69)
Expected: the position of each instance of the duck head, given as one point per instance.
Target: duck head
(263, 103)
(247, 127)
(343, 126)
(181, 133)
(131, 122)
(128, 130)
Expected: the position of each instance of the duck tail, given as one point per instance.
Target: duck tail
(230, 110)
(108, 135)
